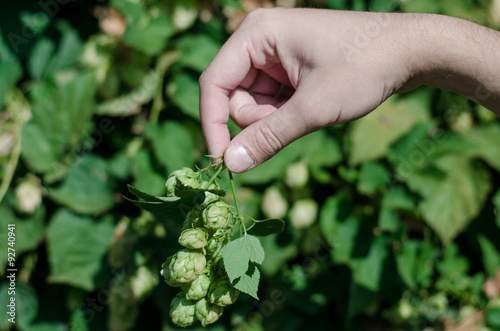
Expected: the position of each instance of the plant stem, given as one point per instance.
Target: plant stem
(10, 167)
(214, 176)
(238, 214)
(157, 100)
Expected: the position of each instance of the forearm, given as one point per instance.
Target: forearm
(457, 55)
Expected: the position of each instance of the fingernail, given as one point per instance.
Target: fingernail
(238, 159)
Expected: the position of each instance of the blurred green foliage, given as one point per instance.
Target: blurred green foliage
(98, 94)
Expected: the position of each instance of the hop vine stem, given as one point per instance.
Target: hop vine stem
(238, 213)
(211, 180)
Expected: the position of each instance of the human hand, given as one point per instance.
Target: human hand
(288, 72)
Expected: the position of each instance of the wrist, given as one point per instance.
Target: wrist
(456, 55)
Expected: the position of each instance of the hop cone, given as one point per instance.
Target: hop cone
(207, 313)
(193, 218)
(216, 215)
(193, 238)
(214, 250)
(182, 310)
(221, 293)
(183, 267)
(210, 197)
(198, 288)
(186, 177)
(216, 242)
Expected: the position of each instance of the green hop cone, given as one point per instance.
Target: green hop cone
(185, 177)
(214, 250)
(216, 215)
(218, 240)
(182, 310)
(193, 238)
(193, 218)
(207, 313)
(198, 288)
(210, 197)
(183, 267)
(221, 293)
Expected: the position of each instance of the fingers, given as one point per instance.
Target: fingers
(246, 108)
(267, 136)
(228, 69)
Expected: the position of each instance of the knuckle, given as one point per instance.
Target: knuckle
(267, 141)
(202, 80)
(260, 16)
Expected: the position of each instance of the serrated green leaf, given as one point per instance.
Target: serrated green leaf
(395, 199)
(165, 207)
(76, 248)
(406, 262)
(144, 196)
(61, 116)
(184, 92)
(40, 57)
(339, 229)
(238, 253)
(372, 176)
(26, 307)
(249, 282)
(453, 265)
(145, 176)
(11, 69)
(451, 201)
(173, 144)
(197, 51)
(130, 103)
(496, 202)
(186, 192)
(493, 317)
(392, 119)
(267, 227)
(78, 321)
(359, 299)
(145, 32)
(29, 231)
(411, 145)
(86, 188)
(316, 149)
(369, 271)
(481, 138)
(69, 49)
(491, 255)
(319, 149)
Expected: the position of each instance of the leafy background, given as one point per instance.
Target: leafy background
(392, 221)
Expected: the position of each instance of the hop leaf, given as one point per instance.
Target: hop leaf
(193, 238)
(183, 267)
(207, 313)
(198, 288)
(182, 310)
(221, 293)
(216, 215)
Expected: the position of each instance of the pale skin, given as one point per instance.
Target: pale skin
(289, 72)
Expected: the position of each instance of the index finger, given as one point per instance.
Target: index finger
(227, 70)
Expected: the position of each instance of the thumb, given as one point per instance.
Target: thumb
(266, 137)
